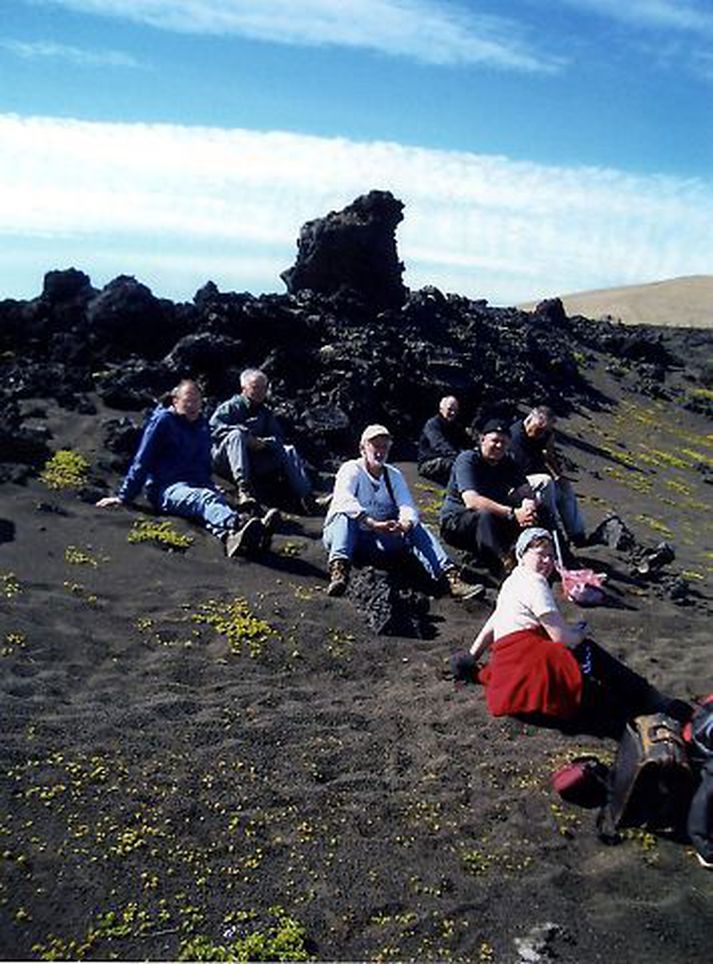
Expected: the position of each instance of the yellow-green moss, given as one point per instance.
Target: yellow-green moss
(161, 533)
(283, 940)
(236, 622)
(65, 470)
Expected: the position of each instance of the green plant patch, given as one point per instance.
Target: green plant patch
(160, 532)
(13, 642)
(65, 470)
(9, 585)
(283, 939)
(79, 557)
(235, 621)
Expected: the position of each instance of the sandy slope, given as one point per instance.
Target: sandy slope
(678, 302)
(152, 772)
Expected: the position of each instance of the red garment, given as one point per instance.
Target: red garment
(529, 673)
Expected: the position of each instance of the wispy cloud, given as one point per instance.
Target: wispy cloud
(431, 31)
(684, 15)
(177, 205)
(47, 50)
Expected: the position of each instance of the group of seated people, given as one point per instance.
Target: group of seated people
(505, 494)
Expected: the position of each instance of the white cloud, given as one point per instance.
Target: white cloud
(431, 31)
(47, 50)
(657, 14)
(178, 205)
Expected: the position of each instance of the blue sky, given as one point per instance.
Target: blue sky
(540, 146)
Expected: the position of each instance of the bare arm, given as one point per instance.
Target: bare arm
(524, 514)
(484, 640)
(561, 631)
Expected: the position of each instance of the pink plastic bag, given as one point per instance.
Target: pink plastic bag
(582, 586)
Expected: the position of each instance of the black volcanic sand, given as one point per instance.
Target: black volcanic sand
(161, 785)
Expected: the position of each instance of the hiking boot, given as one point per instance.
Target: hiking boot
(245, 540)
(338, 577)
(270, 521)
(460, 589)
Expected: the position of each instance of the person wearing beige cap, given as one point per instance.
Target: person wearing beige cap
(372, 514)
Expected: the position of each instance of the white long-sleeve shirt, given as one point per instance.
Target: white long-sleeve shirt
(357, 493)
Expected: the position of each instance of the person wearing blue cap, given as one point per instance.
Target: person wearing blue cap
(488, 499)
(547, 671)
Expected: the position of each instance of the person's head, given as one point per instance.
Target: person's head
(538, 421)
(253, 385)
(187, 400)
(374, 445)
(534, 550)
(494, 440)
(448, 408)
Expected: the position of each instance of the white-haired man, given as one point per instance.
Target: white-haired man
(248, 444)
(442, 438)
(372, 514)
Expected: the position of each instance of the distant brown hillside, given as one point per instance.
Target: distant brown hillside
(678, 302)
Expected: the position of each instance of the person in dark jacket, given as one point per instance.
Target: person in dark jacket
(532, 447)
(173, 464)
(442, 438)
(248, 444)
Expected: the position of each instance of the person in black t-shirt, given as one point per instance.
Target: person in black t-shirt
(488, 499)
(442, 438)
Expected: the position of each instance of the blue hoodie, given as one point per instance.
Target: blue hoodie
(172, 450)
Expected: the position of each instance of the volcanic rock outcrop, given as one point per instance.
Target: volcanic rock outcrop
(352, 250)
(348, 345)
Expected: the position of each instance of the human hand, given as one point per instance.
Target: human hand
(108, 502)
(385, 525)
(526, 513)
(582, 627)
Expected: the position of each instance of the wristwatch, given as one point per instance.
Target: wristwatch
(511, 514)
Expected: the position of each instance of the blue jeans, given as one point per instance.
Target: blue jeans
(203, 505)
(234, 459)
(344, 538)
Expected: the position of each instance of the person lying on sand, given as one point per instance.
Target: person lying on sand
(546, 671)
(173, 462)
(372, 513)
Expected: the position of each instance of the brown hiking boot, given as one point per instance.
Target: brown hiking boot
(338, 577)
(459, 589)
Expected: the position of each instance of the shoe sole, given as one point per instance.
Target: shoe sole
(270, 521)
(475, 592)
(248, 539)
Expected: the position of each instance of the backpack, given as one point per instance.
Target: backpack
(651, 782)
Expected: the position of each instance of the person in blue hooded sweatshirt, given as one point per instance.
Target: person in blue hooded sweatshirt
(173, 463)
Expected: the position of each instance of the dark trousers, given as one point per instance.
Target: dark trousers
(489, 536)
(612, 693)
(437, 470)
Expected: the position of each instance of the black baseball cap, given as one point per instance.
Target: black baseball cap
(496, 425)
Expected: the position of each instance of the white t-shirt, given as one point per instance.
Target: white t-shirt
(524, 597)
